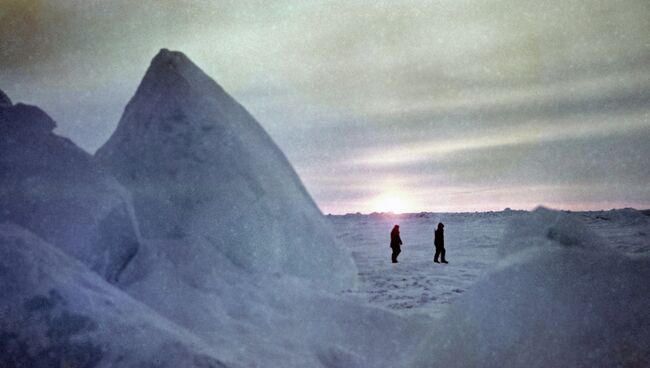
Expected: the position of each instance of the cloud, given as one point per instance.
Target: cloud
(442, 50)
(445, 94)
(523, 134)
(28, 34)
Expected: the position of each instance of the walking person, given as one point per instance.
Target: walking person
(395, 243)
(439, 242)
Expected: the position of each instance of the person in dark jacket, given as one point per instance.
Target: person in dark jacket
(395, 243)
(439, 242)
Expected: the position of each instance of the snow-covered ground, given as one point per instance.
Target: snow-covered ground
(521, 289)
(417, 284)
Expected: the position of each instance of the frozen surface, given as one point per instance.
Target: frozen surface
(416, 283)
(475, 242)
(553, 300)
(201, 167)
(534, 289)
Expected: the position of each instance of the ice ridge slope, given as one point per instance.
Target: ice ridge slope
(200, 166)
(55, 189)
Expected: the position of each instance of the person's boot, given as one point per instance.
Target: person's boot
(435, 260)
(443, 261)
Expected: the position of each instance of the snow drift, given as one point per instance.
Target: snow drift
(199, 166)
(559, 299)
(53, 188)
(55, 312)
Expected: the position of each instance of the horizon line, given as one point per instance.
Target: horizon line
(507, 209)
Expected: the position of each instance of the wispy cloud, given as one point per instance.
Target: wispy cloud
(363, 96)
(533, 132)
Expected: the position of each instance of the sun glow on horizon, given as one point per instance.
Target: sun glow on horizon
(392, 201)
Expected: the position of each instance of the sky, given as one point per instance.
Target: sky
(404, 106)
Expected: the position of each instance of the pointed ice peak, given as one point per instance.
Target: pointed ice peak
(170, 58)
(174, 62)
(168, 62)
(173, 73)
(4, 100)
(198, 165)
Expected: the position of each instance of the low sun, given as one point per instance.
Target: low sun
(391, 202)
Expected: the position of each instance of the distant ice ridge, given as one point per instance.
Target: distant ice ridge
(544, 228)
(558, 300)
(200, 167)
(55, 189)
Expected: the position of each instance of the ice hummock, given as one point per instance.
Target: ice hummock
(267, 320)
(178, 301)
(174, 288)
(544, 227)
(199, 166)
(55, 312)
(55, 189)
(557, 299)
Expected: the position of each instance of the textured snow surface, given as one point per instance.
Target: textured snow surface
(416, 284)
(55, 189)
(475, 242)
(540, 289)
(199, 166)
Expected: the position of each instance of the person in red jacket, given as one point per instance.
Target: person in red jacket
(395, 243)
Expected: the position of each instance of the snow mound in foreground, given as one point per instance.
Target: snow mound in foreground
(561, 302)
(55, 312)
(265, 320)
